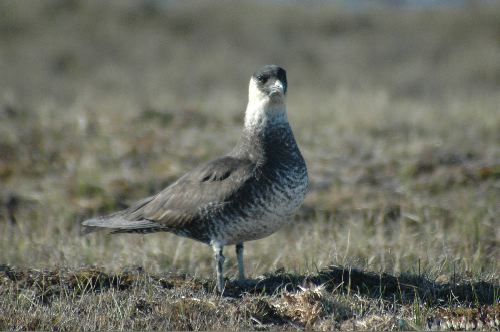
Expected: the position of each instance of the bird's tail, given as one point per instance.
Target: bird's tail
(119, 225)
(130, 220)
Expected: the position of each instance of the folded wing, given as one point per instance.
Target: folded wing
(207, 187)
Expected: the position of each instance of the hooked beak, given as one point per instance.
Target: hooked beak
(277, 89)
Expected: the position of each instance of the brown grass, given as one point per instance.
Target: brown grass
(396, 113)
(336, 297)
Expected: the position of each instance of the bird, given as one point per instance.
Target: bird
(245, 195)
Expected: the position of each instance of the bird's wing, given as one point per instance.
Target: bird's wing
(207, 187)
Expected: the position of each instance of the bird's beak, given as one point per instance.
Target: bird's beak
(277, 89)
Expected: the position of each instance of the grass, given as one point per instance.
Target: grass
(333, 298)
(395, 111)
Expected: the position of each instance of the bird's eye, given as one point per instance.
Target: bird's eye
(262, 78)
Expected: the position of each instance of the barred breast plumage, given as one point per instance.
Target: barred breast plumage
(272, 195)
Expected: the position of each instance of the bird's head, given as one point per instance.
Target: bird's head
(268, 85)
(266, 96)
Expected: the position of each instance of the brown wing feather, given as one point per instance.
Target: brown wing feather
(207, 186)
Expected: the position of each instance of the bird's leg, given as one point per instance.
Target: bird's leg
(241, 266)
(219, 266)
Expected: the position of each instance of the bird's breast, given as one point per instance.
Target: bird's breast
(269, 201)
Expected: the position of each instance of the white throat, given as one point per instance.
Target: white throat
(263, 111)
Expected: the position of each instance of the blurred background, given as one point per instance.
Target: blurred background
(395, 105)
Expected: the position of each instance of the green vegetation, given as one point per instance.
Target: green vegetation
(397, 115)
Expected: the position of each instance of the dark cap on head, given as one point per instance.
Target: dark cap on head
(268, 74)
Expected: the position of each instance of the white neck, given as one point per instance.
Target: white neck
(260, 115)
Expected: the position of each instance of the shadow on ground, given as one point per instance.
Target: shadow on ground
(333, 298)
(402, 289)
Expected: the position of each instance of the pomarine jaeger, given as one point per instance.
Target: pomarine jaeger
(244, 195)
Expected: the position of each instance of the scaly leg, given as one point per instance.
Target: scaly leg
(219, 266)
(241, 267)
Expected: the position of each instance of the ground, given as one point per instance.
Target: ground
(395, 111)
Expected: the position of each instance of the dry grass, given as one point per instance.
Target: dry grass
(396, 113)
(88, 298)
